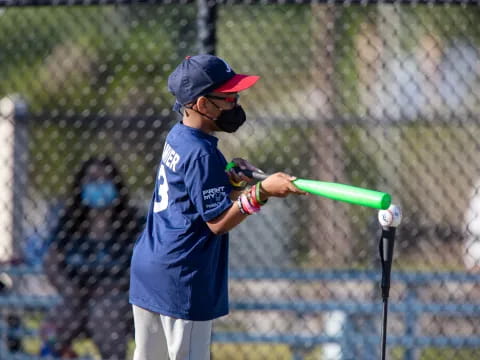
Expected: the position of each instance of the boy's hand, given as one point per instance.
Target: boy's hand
(239, 177)
(279, 185)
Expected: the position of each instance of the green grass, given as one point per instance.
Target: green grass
(247, 351)
(448, 354)
(251, 352)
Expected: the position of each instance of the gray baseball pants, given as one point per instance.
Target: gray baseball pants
(160, 337)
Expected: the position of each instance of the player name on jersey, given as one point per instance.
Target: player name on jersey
(169, 157)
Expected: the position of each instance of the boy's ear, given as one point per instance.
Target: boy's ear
(202, 104)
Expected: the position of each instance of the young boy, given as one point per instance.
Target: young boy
(179, 265)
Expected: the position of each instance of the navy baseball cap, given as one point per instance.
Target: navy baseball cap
(202, 74)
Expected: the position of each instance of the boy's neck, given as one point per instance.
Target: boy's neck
(197, 121)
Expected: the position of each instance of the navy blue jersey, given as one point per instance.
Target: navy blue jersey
(179, 267)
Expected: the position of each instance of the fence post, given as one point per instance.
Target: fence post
(336, 326)
(411, 321)
(206, 26)
(298, 352)
(13, 175)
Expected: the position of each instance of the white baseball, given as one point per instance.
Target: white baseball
(391, 216)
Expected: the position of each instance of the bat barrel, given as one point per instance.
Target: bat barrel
(346, 193)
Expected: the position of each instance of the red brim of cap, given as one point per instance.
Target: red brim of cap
(238, 83)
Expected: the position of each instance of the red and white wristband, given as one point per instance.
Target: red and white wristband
(249, 202)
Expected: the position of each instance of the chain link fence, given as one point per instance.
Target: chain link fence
(377, 95)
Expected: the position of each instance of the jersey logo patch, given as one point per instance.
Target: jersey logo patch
(213, 196)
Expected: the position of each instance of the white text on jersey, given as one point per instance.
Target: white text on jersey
(169, 157)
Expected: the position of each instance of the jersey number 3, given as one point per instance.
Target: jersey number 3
(162, 191)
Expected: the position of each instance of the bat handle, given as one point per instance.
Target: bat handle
(252, 174)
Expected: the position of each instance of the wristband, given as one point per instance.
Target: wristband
(238, 185)
(252, 197)
(258, 188)
(247, 206)
(249, 209)
(240, 207)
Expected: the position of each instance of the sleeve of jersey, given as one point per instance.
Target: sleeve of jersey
(208, 186)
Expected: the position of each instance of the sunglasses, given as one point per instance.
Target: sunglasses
(230, 99)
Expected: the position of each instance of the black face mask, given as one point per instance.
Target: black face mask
(230, 120)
